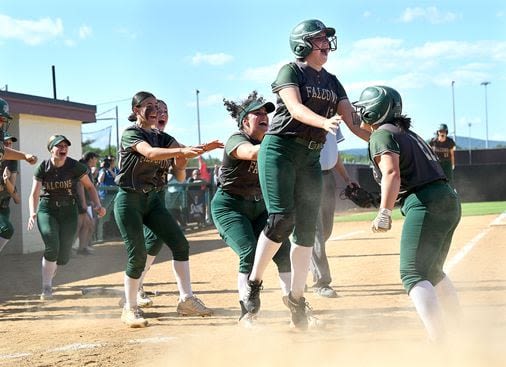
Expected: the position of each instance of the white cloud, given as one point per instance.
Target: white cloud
(430, 14)
(85, 32)
(262, 74)
(212, 59)
(32, 32)
(436, 63)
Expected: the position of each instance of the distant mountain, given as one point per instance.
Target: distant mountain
(462, 144)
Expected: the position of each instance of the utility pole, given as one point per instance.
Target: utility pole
(486, 114)
(454, 124)
(198, 113)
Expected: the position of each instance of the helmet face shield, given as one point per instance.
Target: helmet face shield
(331, 41)
(356, 115)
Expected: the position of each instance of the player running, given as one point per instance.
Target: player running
(144, 152)
(311, 102)
(192, 306)
(53, 205)
(238, 207)
(406, 168)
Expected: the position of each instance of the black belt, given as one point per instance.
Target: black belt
(309, 144)
(141, 191)
(60, 203)
(327, 172)
(257, 197)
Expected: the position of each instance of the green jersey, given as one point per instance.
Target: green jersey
(136, 172)
(418, 164)
(320, 91)
(239, 176)
(5, 197)
(165, 141)
(442, 148)
(58, 183)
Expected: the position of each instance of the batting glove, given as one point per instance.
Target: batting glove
(383, 221)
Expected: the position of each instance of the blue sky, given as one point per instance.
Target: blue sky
(106, 51)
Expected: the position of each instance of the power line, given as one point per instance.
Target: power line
(116, 101)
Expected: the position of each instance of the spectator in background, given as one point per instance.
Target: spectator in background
(444, 147)
(112, 160)
(86, 220)
(196, 198)
(175, 199)
(106, 192)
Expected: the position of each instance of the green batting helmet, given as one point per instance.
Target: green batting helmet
(443, 127)
(302, 33)
(379, 104)
(4, 109)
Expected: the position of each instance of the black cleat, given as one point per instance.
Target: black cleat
(298, 311)
(252, 300)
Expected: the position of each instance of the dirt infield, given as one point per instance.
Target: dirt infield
(372, 323)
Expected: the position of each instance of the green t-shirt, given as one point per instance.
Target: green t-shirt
(58, 183)
(136, 172)
(418, 164)
(442, 148)
(166, 141)
(320, 91)
(5, 197)
(238, 176)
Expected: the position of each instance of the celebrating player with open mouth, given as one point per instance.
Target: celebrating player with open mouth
(311, 103)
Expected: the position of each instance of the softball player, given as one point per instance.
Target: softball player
(311, 103)
(153, 244)
(56, 213)
(8, 158)
(406, 168)
(9, 170)
(444, 147)
(143, 154)
(238, 208)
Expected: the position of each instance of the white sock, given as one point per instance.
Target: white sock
(449, 301)
(3, 242)
(182, 274)
(48, 272)
(265, 251)
(426, 303)
(149, 262)
(242, 285)
(300, 257)
(285, 281)
(131, 288)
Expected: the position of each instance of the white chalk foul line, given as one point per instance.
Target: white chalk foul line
(345, 236)
(500, 220)
(470, 245)
(14, 355)
(84, 346)
(76, 346)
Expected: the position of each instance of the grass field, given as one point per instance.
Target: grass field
(468, 209)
